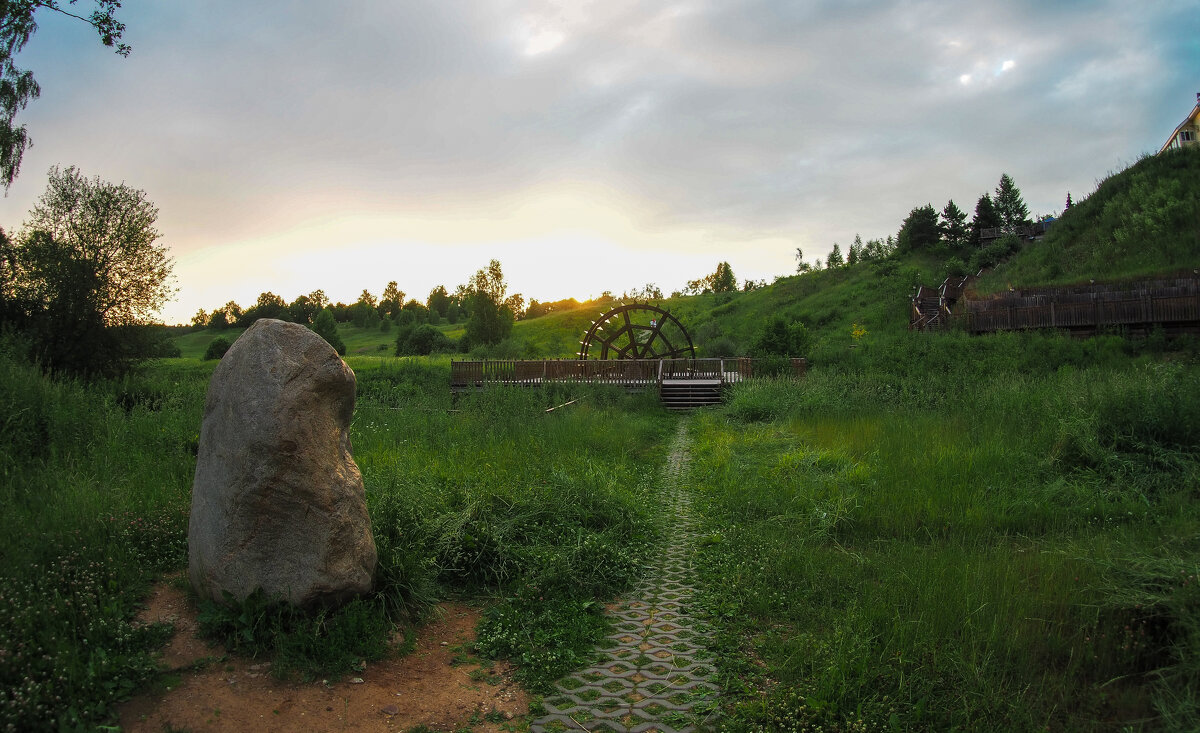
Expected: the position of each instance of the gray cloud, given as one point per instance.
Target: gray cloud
(808, 120)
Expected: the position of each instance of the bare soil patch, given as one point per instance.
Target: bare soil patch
(436, 685)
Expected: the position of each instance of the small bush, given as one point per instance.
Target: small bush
(216, 348)
(780, 337)
(421, 340)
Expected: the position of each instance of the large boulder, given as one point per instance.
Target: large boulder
(278, 502)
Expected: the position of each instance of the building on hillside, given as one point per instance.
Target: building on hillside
(1188, 132)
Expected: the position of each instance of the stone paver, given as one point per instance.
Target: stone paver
(655, 672)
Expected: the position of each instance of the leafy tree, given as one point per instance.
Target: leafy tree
(317, 298)
(1010, 207)
(86, 269)
(516, 304)
(414, 312)
(326, 327)
(363, 314)
(218, 320)
(201, 319)
(302, 310)
(835, 257)
(439, 301)
(490, 320)
(233, 311)
(268, 305)
(954, 225)
(985, 218)
(489, 281)
(920, 230)
(874, 249)
(17, 86)
(391, 301)
(722, 280)
(368, 299)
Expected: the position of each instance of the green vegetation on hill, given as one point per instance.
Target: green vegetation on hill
(1142, 222)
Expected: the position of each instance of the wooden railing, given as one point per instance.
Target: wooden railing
(621, 372)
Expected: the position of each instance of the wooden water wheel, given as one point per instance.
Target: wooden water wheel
(637, 331)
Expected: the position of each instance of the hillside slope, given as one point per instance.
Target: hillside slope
(1141, 222)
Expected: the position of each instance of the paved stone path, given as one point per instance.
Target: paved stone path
(655, 672)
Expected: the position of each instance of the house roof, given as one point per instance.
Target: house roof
(1186, 120)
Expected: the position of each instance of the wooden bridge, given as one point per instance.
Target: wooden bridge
(681, 383)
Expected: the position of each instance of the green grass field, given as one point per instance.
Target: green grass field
(929, 532)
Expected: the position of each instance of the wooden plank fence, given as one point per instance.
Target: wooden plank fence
(632, 373)
(1167, 303)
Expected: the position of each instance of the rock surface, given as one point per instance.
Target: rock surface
(278, 502)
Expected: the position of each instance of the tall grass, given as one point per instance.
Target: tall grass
(552, 512)
(94, 482)
(994, 546)
(544, 514)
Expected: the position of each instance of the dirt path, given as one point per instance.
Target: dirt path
(436, 685)
(655, 673)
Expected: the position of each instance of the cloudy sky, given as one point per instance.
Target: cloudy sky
(588, 146)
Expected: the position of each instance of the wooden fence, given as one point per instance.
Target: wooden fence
(1173, 304)
(632, 373)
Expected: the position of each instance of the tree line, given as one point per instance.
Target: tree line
(947, 234)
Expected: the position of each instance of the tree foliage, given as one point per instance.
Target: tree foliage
(985, 218)
(1010, 207)
(85, 271)
(391, 301)
(954, 226)
(439, 301)
(723, 280)
(781, 337)
(835, 258)
(920, 230)
(326, 327)
(17, 86)
(216, 348)
(490, 317)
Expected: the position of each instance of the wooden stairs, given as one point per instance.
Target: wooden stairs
(688, 394)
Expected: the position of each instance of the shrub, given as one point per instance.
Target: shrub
(421, 340)
(326, 327)
(216, 348)
(781, 338)
(994, 253)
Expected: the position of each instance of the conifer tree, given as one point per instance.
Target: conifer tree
(835, 257)
(985, 218)
(954, 225)
(326, 327)
(1009, 205)
(855, 252)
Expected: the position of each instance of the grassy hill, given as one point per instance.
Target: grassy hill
(1141, 222)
